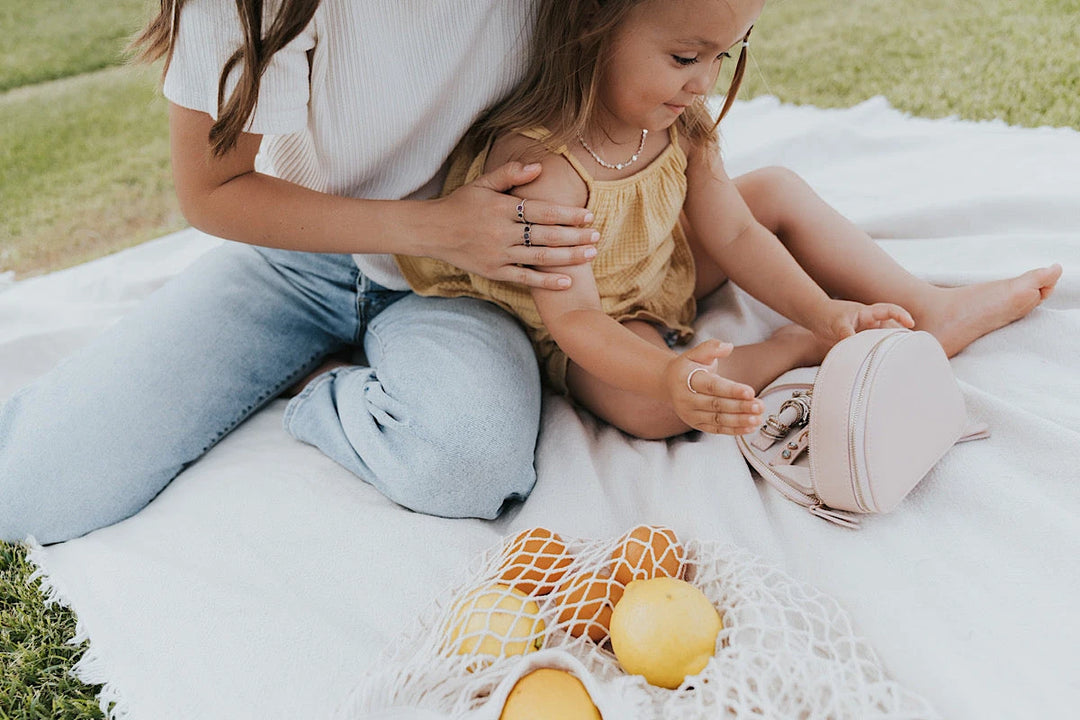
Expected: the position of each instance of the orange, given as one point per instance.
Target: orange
(648, 551)
(535, 561)
(586, 601)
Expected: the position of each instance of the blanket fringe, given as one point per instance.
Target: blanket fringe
(91, 668)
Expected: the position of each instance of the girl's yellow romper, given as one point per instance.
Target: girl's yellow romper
(643, 267)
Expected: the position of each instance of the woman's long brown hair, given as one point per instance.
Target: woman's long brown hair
(158, 39)
(559, 91)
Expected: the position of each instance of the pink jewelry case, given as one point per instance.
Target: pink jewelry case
(883, 408)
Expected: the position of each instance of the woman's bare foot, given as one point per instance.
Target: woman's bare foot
(959, 316)
(806, 348)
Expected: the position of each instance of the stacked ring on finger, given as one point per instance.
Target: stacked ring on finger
(526, 235)
(521, 210)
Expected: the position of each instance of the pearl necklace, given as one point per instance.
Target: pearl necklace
(615, 166)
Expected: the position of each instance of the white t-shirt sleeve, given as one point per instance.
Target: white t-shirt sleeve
(209, 32)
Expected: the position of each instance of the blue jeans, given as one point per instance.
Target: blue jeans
(442, 420)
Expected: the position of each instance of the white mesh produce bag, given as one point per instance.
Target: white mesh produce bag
(537, 600)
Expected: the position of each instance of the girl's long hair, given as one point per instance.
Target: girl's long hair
(158, 39)
(559, 91)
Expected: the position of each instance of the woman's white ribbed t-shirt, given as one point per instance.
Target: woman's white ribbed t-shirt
(370, 99)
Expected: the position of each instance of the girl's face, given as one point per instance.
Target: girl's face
(666, 55)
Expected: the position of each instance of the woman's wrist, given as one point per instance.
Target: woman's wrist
(405, 227)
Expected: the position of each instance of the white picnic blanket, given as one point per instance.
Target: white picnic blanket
(265, 579)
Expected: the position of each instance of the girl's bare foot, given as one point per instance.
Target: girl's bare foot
(959, 316)
(806, 348)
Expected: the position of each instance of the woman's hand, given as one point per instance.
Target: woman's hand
(476, 228)
(844, 318)
(707, 401)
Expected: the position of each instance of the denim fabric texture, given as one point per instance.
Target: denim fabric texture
(443, 418)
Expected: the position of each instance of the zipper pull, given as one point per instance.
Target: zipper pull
(836, 517)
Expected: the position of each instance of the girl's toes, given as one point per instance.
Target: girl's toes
(1047, 278)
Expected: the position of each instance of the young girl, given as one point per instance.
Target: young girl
(612, 106)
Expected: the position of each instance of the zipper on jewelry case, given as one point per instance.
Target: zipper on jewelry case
(856, 456)
(836, 517)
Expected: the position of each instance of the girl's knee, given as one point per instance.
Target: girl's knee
(770, 192)
(770, 181)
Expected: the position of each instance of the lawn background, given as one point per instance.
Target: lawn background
(84, 166)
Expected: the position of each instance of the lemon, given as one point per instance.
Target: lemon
(496, 620)
(664, 629)
(549, 694)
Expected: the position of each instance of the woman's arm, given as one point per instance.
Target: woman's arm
(758, 262)
(474, 228)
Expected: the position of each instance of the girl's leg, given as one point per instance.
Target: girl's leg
(756, 365)
(445, 419)
(95, 439)
(847, 263)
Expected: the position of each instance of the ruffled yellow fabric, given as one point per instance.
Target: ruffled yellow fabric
(644, 269)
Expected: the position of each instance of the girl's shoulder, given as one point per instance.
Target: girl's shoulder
(698, 151)
(558, 181)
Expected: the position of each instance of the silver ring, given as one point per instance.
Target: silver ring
(690, 376)
(526, 235)
(521, 210)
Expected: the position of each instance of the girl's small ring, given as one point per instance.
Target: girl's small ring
(526, 235)
(690, 377)
(521, 211)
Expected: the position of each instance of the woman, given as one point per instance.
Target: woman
(312, 136)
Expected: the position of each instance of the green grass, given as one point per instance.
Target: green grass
(34, 655)
(50, 39)
(84, 160)
(978, 59)
(84, 167)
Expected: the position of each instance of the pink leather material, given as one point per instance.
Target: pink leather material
(885, 408)
(791, 449)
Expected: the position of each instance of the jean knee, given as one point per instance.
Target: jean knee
(477, 464)
(466, 486)
(12, 501)
(53, 504)
(28, 507)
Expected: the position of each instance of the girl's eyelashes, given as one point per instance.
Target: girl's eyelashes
(684, 61)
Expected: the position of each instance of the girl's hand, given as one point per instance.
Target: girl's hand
(476, 228)
(708, 401)
(844, 318)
